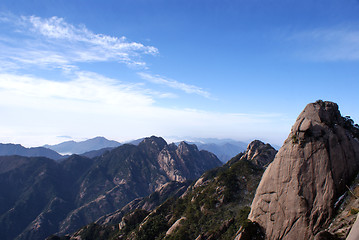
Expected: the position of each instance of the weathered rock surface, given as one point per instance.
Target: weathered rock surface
(347, 207)
(296, 196)
(354, 232)
(259, 153)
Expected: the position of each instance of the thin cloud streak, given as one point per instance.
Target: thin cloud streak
(174, 84)
(58, 28)
(335, 44)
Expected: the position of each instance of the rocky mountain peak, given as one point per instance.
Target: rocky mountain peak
(157, 142)
(152, 145)
(259, 153)
(320, 111)
(184, 147)
(296, 196)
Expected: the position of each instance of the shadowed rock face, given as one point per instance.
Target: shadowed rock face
(295, 198)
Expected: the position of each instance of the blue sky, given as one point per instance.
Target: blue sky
(127, 69)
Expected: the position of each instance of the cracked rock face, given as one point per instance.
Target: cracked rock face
(295, 198)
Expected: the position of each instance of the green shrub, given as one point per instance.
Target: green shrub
(354, 211)
(153, 228)
(294, 139)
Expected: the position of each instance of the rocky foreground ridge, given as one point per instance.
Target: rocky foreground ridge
(213, 207)
(300, 189)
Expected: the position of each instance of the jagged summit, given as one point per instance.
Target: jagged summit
(296, 196)
(159, 142)
(184, 145)
(259, 153)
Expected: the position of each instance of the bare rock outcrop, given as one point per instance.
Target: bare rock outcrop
(178, 162)
(354, 233)
(259, 153)
(296, 196)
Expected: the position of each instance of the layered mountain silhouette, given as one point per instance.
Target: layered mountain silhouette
(72, 147)
(16, 149)
(44, 197)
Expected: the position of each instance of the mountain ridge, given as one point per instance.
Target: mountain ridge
(73, 147)
(8, 149)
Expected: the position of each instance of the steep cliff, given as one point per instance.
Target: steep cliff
(297, 193)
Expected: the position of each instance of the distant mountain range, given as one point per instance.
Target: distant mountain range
(72, 147)
(42, 196)
(224, 149)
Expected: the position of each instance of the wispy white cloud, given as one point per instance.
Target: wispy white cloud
(58, 28)
(339, 43)
(187, 88)
(55, 42)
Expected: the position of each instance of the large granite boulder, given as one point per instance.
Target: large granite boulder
(297, 193)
